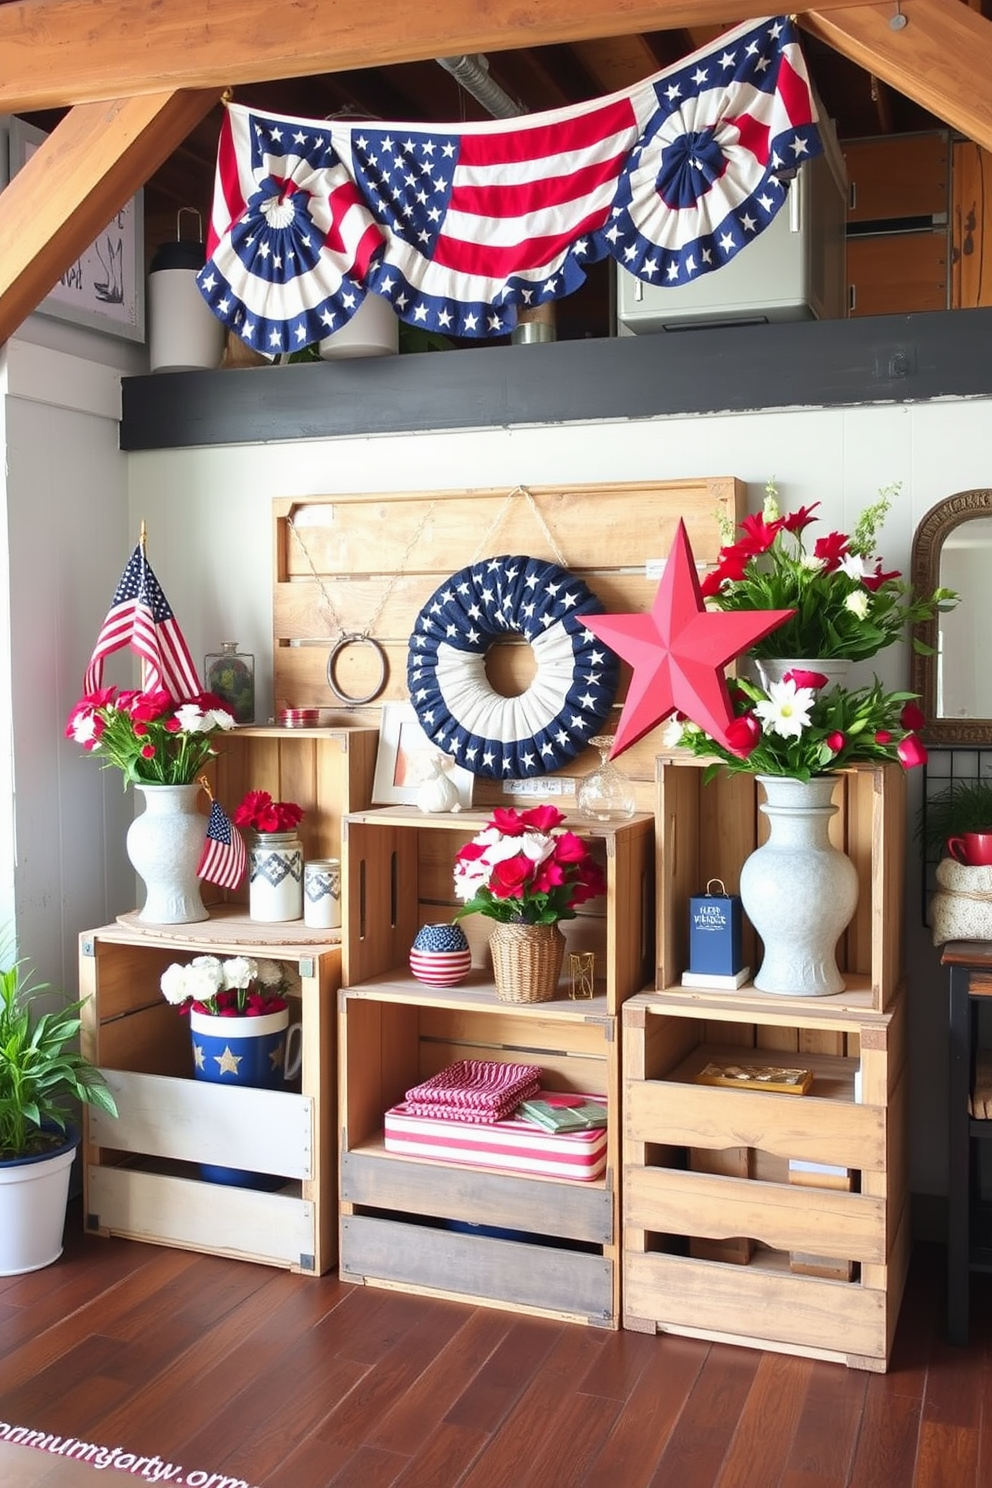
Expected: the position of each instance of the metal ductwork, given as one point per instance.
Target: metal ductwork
(472, 73)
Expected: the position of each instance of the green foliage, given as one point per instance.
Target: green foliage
(963, 806)
(39, 1072)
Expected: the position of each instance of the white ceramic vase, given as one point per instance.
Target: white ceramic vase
(165, 846)
(798, 890)
(773, 669)
(275, 877)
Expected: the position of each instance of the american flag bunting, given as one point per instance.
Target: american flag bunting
(461, 227)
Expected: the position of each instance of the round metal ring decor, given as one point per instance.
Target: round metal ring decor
(355, 638)
(571, 692)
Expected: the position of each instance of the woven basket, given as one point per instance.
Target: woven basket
(526, 961)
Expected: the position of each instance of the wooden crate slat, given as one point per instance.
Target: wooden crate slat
(694, 1203)
(275, 1229)
(540, 1279)
(198, 1121)
(759, 1306)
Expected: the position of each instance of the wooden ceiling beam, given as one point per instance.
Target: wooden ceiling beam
(70, 188)
(941, 57)
(59, 52)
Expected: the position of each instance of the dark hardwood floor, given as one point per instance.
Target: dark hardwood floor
(226, 1368)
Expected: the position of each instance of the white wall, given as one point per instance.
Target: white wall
(63, 543)
(210, 523)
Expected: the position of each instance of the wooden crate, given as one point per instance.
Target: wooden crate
(370, 561)
(398, 876)
(141, 1168)
(327, 771)
(532, 1244)
(707, 831)
(857, 1123)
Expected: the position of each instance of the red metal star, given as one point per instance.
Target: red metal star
(678, 652)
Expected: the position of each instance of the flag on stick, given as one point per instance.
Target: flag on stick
(224, 857)
(140, 617)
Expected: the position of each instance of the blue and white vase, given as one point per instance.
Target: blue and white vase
(440, 955)
(240, 1051)
(275, 877)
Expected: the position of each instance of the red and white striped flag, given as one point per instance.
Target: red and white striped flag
(140, 617)
(224, 857)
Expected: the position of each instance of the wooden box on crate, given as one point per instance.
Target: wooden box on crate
(827, 1264)
(507, 1239)
(364, 565)
(327, 771)
(705, 831)
(141, 1168)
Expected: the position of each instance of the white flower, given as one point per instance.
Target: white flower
(858, 602)
(786, 710)
(217, 718)
(204, 978)
(83, 727)
(672, 733)
(811, 562)
(239, 971)
(173, 983)
(853, 565)
(192, 719)
(270, 973)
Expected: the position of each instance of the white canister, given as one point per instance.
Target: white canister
(322, 893)
(275, 877)
(184, 334)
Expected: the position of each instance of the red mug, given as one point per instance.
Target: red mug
(971, 848)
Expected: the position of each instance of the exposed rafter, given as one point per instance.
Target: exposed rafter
(99, 155)
(57, 52)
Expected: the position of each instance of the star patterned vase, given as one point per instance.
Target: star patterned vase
(440, 955)
(240, 1051)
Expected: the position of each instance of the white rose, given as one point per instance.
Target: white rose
(239, 971)
(173, 983)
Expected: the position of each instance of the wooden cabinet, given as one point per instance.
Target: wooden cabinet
(506, 1238)
(898, 238)
(142, 1168)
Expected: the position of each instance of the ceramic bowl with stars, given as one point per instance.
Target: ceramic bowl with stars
(440, 955)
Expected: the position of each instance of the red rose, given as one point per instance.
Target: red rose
(742, 735)
(542, 818)
(912, 717)
(836, 741)
(508, 878)
(815, 680)
(883, 737)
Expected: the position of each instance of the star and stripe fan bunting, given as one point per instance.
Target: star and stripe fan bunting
(224, 857)
(461, 227)
(141, 617)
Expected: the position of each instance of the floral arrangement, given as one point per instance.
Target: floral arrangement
(524, 867)
(846, 605)
(236, 988)
(801, 727)
(259, 813)
(149, 737)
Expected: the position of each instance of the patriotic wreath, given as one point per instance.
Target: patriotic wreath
(569, 697)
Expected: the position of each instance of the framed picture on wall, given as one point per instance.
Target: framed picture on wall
(105, 288)
(407, 758)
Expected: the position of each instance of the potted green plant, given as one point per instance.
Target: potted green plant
(41, 1075)
(963, 806)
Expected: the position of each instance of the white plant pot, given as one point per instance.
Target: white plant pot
(33, 1195)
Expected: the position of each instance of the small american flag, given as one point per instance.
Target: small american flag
(140, 617)
(224, 858)
(461, 227)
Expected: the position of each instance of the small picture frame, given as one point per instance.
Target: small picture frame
(105, 288)
(406, 759)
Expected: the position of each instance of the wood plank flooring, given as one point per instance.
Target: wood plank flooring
(228, 1371)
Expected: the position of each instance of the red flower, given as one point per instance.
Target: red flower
(912, 717)
(509, 877)
(260, 813)
(796, 521)
(878, 578)
(836, 741)
(815, 680)
(171, 726)
(883, 737)
(832, 549)
(758, 534)
(542, 818)
(742, 735)
(148, 751)
(147, 706)
(911, 752)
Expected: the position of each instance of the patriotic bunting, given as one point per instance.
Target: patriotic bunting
(461, 227)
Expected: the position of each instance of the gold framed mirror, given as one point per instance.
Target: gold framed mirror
(953, 547)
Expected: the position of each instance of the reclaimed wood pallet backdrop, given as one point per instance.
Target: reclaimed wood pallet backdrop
(369, 562)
